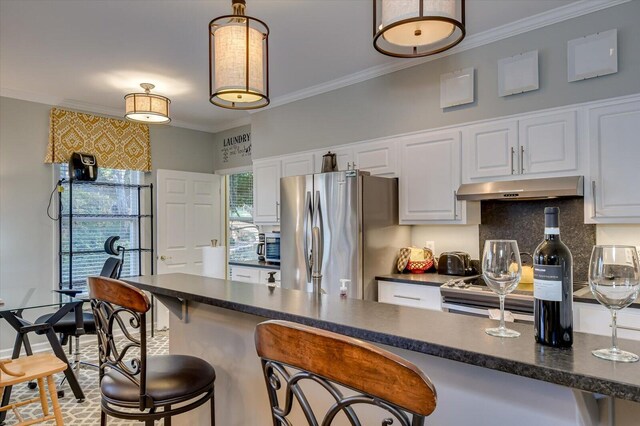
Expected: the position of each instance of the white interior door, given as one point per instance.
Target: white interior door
(189, 210)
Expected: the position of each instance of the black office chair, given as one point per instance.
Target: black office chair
(75, 325)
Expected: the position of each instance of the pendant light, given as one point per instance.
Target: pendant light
(415, 28)
(238, 60)
(146, 107)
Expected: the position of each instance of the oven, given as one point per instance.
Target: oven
(471, 296)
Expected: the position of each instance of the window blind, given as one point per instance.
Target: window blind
(109, 206)
(243, 234)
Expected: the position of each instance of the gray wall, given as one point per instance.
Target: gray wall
(233, 160)
(28, 256)
(409, 100)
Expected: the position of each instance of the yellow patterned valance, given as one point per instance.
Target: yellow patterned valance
(117, 144)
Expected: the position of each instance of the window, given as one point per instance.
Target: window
(98, 213)
(243, 234)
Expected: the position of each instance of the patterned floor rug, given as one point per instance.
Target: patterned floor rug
(87, 412)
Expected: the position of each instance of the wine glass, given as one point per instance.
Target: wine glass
(501, 268)
(614, 278)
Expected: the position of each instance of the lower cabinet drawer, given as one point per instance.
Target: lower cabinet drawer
(245, 275)
(596, 319)
(417, 296)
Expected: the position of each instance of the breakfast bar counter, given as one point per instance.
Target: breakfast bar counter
(215, 318)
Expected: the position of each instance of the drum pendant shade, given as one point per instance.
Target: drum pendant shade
(414, 28)
(147, 107)
(238, 61)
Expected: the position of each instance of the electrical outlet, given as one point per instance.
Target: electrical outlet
(431, 245)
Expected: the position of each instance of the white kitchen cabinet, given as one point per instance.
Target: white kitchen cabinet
(245, 275)
(429, 178)
(344, 157)
(266, 192)
(534, 146)
(596, 319)
(548, 143)
(297, 165)
(264, 276)
(612, 194)
(490, 150)
(417, 296)
(378, 158)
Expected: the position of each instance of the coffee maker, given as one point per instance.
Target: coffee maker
(261, 249)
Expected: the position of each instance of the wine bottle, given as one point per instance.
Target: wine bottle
(553, 286)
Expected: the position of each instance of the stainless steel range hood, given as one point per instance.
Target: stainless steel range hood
(526, 189)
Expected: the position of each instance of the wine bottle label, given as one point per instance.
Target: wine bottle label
(547, 282)
(552, 231)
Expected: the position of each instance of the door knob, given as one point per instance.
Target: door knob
(165, 258)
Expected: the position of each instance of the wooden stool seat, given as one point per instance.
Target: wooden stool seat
(28, 368)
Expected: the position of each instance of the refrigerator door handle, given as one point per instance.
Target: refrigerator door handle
(308, 216)
(317, 221)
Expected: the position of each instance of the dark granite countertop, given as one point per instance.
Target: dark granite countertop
(435, 280)
(256, 264)
(451, 336)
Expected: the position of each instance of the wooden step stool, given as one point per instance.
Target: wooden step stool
(28, 368)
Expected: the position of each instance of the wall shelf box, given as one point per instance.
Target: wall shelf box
(518, 74)
(592, 56)
(457, 87)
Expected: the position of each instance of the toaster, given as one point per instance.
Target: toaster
(455, 263)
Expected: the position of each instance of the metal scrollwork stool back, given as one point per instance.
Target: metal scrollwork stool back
(293, 353)
(134, 386)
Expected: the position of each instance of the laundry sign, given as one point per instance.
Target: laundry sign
(235, 147)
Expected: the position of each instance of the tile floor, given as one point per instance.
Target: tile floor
(87, 412)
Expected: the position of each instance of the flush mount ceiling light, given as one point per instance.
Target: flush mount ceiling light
(146, 107)
(414, 28)
(238, 60)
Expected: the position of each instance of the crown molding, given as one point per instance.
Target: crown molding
(530, 23)
(103, 110)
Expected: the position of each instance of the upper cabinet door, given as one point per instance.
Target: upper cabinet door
(297, 165)
(266, 192)
(614, 163)
(430, 175)
(378, 158)
(490, 150)
(548, 143)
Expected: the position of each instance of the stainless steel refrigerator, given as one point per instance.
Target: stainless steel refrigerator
(357, 215)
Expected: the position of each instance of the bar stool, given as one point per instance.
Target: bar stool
(34, 367)
(134, 386)
(293, 353)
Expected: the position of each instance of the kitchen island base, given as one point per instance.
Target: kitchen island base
(467, 394)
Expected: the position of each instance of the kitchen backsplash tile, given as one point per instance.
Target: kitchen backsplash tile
(524, 221)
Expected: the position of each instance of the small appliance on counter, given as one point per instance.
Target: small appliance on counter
(455, 263)
(83, 166)
(272, 247)
(260, 249)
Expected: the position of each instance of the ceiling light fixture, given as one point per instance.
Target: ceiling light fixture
(415, 28)
(238, 60)
(146, 107)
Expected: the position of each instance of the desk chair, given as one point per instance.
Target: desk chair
(292, 354)
(75, 324)
(134, 386)
(34, 367)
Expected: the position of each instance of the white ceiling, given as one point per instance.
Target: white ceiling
(90, 53)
